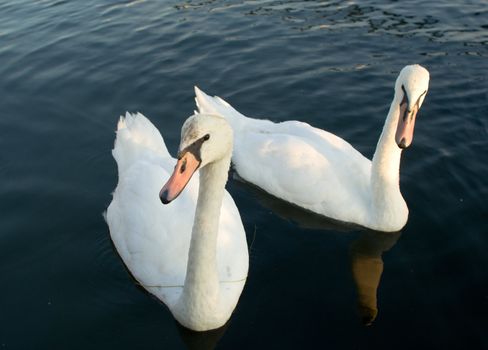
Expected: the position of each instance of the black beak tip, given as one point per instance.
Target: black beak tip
(402, 144)
(163, 196)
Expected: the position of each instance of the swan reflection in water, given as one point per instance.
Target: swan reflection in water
(367, 267)
(365, 252)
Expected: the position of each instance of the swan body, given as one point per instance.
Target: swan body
(321, 172)
(191, 253)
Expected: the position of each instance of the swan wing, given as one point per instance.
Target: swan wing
(304, 165)
(296, 162)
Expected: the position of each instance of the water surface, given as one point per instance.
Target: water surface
(69, 68)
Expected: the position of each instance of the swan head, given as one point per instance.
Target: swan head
(205, 138)
(411, 88)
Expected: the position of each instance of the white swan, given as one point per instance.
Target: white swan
(321, 172)
(198, 272)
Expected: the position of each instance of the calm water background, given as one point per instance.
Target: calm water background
(68, 69)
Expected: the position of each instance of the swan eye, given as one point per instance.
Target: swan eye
(206, 137)
(405, 96)
(420, 97)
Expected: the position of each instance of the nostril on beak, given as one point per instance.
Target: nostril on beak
(183, 166)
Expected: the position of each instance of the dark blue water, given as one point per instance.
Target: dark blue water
(68, 69)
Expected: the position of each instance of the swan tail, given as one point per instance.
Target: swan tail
(136, 138)
(216, 105)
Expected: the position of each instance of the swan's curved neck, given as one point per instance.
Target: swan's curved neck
(385, 170)
(386, 159)
(201, 289)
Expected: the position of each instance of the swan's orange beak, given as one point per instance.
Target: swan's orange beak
(406, 124)
(185, 167)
